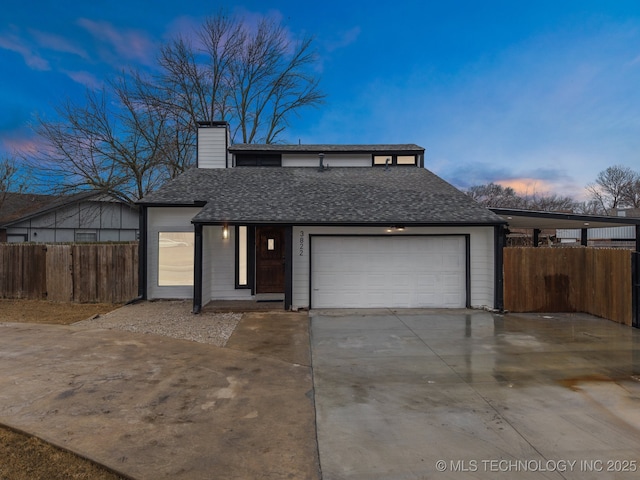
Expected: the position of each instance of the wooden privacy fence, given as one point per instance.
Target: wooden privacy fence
(589, 280)
(85, 273)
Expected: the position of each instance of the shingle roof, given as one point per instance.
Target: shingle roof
(22, 206)
(17, 205)
(368, 195)
(325, 148)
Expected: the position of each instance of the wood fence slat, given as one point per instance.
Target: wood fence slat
(59, 265)
(105, 273)
(589, 280)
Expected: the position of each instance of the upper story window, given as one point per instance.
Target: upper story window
(393, 159)
(258, 160)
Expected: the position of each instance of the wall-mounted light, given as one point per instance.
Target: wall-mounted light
(225, 232)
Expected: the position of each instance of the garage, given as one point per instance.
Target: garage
(426, 271)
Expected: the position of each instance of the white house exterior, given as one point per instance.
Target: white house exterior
(84, 217)
(318, 226)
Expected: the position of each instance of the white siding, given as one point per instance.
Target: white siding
(65, 235)
(481, 261)
(212, 147)
(331, 159)
(207, 262)
(220, 256)
(165, 219)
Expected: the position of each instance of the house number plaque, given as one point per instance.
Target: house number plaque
(301, 243)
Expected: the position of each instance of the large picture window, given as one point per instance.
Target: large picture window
(175, 258)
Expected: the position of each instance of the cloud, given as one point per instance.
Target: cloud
(16, 44)
(343, 40)
(85, 78)
(127, 44)
(183, 26)
(21, 141)
(57, 43)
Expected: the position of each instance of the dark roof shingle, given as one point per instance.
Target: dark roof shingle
(325, 148)
(346, 195)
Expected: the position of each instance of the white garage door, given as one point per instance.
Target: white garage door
(400, 272)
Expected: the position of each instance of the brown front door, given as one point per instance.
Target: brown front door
(269, 260)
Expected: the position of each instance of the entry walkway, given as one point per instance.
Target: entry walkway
(468, 394)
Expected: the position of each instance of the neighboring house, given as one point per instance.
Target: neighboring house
(573, 228)
(318, 226)
(83, 217)
(624, 237)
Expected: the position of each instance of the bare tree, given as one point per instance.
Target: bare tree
(495, 195)
(112, 143)
(614, 188)
(10, 178)
(549, 202)
(254, 79)
(631, 197)
(141, 130)
(590, 207)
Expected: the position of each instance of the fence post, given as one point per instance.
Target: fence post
(635, 289)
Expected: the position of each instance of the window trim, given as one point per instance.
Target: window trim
(250, 256)
(394, 159)
(94, 233)
(258, 160)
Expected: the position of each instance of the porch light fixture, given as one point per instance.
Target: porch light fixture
(225, 232)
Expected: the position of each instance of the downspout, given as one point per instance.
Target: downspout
(142, 253)
(197, 270)
(498, 241)
(288, 266)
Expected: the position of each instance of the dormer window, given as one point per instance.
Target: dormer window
(393, 159)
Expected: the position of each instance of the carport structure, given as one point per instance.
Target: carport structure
(538, 221)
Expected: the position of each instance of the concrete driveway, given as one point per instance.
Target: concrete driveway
(468, 394)
(154, 407)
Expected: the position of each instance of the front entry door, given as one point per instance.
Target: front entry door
(269, 260)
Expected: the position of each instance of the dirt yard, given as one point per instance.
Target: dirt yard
(23, 457)
(41, 311)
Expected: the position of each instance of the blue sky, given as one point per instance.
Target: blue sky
(537, 95)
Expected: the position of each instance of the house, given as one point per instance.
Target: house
(620, 237)
(317, 226)
(83, 217)
(574, 229)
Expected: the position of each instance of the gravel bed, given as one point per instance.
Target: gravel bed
(169, 318)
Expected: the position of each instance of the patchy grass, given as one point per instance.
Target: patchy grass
(41, 311)
(23, 457)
